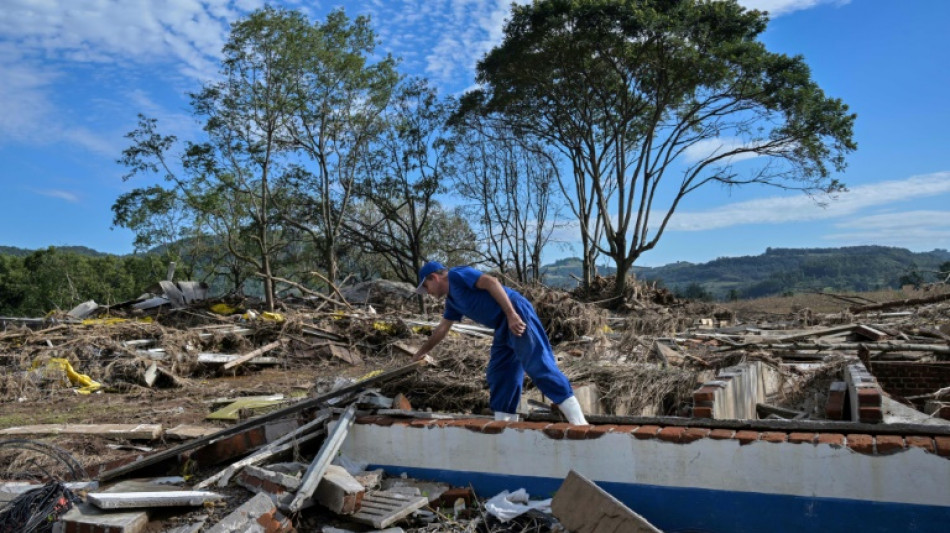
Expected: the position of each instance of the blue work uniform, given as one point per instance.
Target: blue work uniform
(511, 356)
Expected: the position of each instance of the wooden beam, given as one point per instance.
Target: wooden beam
(252, 354)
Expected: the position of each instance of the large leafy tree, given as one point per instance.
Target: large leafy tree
(233, 180)
(407, 165)
(649, 100)
(341, 99)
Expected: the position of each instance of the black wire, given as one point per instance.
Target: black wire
(37, 510)
(73, 467)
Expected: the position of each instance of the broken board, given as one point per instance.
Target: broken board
(380, 509)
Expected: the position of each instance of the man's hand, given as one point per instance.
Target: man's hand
(516, 325)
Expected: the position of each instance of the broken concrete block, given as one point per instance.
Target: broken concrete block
(278, 486)
(257, 515)
(371, 479)
(339, 492)
(139, 500)
(383, 508)
(583, 507)
(84, 518)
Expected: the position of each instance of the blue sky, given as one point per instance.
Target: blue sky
(74, 74)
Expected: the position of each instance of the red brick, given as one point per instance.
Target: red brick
(927, 443)
(557, 431)
(721, 434)
(448, 498)
(746, 436)
(886, 444)
(861, 443)
(943, 446)
(384, 421)
(624, 429)
(367, 419)
(869, 397)
(422, 423)
(646, 432)
(458, 422)
(702, 412)
(534, 426)
(578, 432)
(694, 434)
(402, 422)
(870, 415)
(230, 447)
(599, 431)
(476, 424)
(801, 438)
(774, 436)
(834, 439)
(671, 434)
(495, 427)
(705, 394)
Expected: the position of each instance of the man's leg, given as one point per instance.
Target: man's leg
(505, 379)
(537, 357)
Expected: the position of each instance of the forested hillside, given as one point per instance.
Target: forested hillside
(782, 270)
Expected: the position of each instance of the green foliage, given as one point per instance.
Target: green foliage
(631, 91)
(51, 279)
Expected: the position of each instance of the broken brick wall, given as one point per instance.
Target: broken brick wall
(907, 378)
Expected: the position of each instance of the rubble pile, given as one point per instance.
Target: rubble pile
(131, 402)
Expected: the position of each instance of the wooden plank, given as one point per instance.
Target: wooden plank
(256, 422)
(380, 509)
(251, 355)
(311, 478)
(112, 431)
(583, 507)
(869, 333)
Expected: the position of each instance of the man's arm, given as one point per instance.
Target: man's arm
(438, 334)
(497, 291)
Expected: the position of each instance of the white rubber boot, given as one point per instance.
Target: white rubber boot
(572, 410)
(507, 417)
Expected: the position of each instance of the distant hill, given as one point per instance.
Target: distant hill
(780, 270)
(23, 252)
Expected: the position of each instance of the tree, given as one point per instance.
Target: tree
(509, 181)
(635, 94)
(230, 178)
(340, 102)
(401, 172)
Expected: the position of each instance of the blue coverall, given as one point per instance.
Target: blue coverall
(511, 356)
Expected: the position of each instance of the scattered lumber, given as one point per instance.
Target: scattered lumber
(252, 354)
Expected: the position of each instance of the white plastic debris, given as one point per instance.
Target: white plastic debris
(506, 505)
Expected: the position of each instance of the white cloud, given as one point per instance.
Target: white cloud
(781, 7)
(707, 148)
(801, 208)
(59, 193)
(921, 230)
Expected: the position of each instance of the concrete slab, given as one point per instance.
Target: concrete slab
(139, 500)
(84, 518)
(583, 507)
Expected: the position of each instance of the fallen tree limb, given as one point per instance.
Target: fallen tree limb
(901, 303)
(303, 289)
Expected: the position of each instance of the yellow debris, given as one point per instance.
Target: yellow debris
(370, 375)
(276, 317)
(384, 327)
(223, 309)
(56, 364)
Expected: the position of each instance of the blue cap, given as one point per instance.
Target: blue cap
(428, 268)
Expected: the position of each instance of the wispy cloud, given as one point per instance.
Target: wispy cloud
(919, 229)
(781, 7)
(801, 208)
(58, 193)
